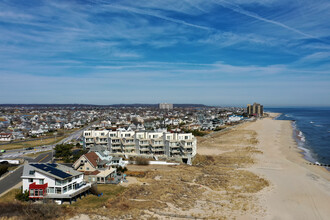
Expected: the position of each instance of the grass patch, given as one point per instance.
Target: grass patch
(92, 201)
(9, 196)
(32, 143)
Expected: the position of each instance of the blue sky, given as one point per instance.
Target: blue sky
(276, 52)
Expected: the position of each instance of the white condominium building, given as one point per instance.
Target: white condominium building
(166, 106)
(143, 142)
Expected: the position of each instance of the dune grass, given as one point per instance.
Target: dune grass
(92, 201)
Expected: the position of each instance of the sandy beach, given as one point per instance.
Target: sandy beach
(297, 190)
(251, 171)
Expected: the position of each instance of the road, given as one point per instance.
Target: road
(14, 153)
(15, 177)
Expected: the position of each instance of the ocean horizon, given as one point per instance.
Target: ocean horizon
(311, 130)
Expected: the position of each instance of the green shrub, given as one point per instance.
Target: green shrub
(22, 196)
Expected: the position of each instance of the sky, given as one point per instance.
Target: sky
(215, 52)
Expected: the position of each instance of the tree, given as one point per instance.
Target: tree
(121, 169)
(22, 196)
(63, 151)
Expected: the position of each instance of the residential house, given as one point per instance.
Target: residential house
(96, 168)
(53, 181)
(6, 137)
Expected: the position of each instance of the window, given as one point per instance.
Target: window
(87, 168)
(31, 192)
(58, 190)
(30, 180)
(41, 181)
(31, 172)
(57, 182)
(65, 189)
(69, 187)
(50, 190)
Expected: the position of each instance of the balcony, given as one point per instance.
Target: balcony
(116, 147)
(128, 143)
(175, 151)
(157, 144)
(157, 149)
(102, 141)
(187, 147)
(129, 147)
(70, 194)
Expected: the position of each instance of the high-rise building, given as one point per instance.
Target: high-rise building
(255, 109)
(166, 106)
(249, 109)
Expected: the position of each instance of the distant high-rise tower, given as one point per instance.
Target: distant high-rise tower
(255, 109)
(249, 109)
(166, 106)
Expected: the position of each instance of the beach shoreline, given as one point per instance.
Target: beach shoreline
(298, 190)
(301, 152)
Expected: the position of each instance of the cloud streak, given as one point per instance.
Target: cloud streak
(242, 11)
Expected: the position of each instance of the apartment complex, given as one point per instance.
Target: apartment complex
(165, 106)
(155, 143)
(255, 109)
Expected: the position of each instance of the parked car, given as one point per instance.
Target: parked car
(29, 148)
(2, 151)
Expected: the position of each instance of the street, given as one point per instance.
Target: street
(15, 177)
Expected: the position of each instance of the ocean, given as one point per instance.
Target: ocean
(311, 131)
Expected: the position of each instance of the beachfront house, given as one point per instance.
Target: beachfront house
(53, 181)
